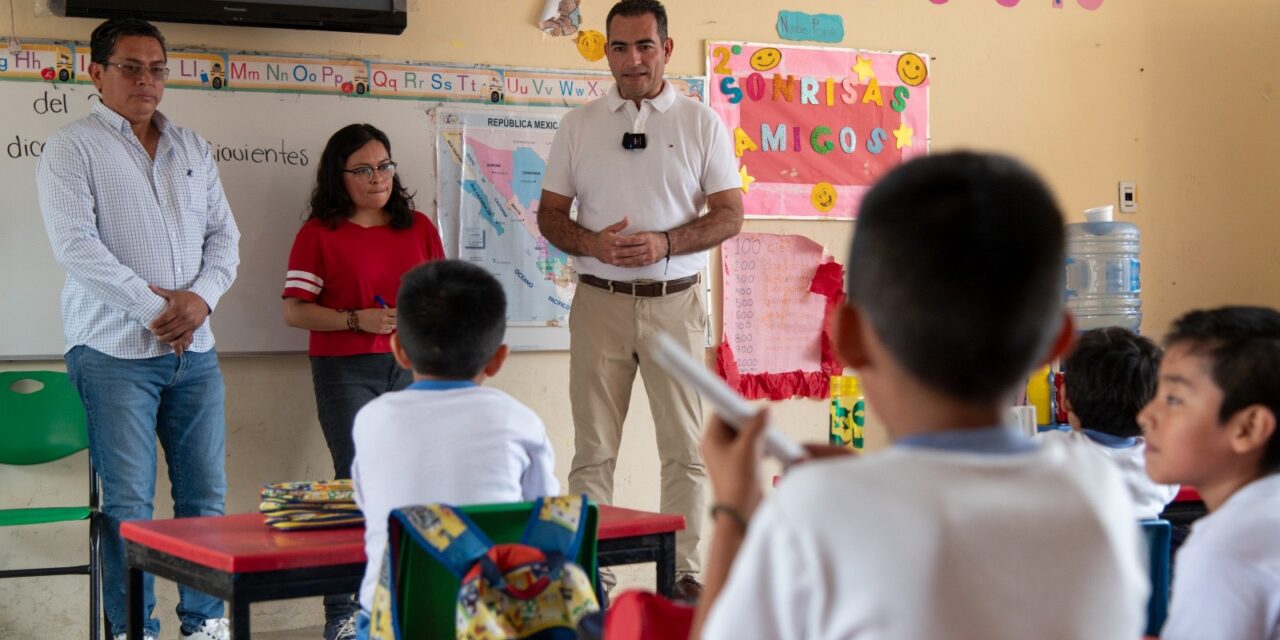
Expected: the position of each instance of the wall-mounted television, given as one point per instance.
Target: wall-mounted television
(363, 16)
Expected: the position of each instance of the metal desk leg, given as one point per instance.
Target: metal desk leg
(134, 614)
(239, 617)
(666, 564)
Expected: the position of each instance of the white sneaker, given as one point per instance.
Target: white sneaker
(211, 629)
(146, 635)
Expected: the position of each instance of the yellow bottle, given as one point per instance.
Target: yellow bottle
(1039, 391)
(848, 412)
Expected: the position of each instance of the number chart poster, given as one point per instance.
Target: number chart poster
(779, 293)
(813, 128)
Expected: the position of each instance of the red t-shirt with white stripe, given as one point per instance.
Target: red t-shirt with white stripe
(345, 267)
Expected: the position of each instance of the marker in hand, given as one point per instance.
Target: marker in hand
(378, 300)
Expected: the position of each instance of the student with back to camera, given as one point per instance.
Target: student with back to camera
(1110, 376)
(963, 528)
(445, 438)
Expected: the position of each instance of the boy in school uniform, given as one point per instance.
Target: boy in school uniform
(1212, 425)
(964, 528)
(1110, 377)
(445, 438)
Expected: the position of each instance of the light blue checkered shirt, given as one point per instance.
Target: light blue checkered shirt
(119, 221)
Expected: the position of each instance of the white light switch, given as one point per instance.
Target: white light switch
(1128, 197)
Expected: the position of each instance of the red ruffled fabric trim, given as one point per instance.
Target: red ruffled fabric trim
(827, 281)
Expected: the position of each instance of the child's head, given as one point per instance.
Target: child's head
(1214, 414)
(957, 267)
(1110, 376)
(450, 320)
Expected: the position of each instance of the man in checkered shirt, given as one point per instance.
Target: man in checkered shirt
(136, 214)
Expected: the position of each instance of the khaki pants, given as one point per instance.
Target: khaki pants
(605, 330)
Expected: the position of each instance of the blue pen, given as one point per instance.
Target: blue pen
(381, 303)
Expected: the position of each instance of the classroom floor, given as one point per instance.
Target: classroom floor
(310, 633)
(292, 634)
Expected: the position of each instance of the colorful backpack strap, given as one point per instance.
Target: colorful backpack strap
(383, 621)
(448, 535)
(555, 526)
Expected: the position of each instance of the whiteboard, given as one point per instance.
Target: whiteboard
(268, 193)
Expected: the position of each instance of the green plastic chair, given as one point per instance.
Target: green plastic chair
(41, 426)
(429, 592)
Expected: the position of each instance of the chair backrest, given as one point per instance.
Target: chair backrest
(1159, 534)
(42, 425)
(429, 592)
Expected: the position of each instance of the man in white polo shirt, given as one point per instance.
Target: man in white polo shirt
(642, 162)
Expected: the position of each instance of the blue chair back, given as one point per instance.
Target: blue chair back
(1159, 535)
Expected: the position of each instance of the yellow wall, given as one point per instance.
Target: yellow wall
(1179, 95)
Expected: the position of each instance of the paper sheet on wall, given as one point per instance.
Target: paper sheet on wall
(778, 293)
(489, 166)
(561, 17)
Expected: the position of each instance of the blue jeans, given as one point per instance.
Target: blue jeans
(344, 384)
(130, 404)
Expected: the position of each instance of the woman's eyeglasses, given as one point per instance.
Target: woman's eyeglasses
(384, 170)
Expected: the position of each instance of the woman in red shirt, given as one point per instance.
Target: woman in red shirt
(344, 272)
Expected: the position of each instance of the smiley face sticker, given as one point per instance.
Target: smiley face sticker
(911, 69)
(765, 59)
(591, 44)
(823, 197)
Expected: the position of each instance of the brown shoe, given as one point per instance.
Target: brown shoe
(687, 588)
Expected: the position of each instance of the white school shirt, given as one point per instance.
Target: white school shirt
(688, 156)
(917, 543)
(456, 443)
(1149, 497)
(1227, 578)
(119, 221)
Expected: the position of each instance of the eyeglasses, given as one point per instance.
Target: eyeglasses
(384, 170)
(133, 70)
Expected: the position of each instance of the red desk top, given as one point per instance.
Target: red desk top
(242, 543)
(616, 522)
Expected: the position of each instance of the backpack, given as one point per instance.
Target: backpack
(531, 589)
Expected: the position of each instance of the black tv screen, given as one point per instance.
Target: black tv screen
(362, 16)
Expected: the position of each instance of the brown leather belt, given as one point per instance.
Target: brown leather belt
(640, 289)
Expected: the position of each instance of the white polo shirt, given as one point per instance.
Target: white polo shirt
(1227, 579)
(688, 156)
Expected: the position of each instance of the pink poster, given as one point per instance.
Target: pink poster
(778, 293)
(814, 127)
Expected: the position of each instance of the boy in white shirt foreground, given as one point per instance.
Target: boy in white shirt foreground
(1110, 377)
(1212, 425)
(445, 438)
(964, 528)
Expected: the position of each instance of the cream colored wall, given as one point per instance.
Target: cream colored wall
(1179, 95)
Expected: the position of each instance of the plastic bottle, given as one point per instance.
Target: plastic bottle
(1103, 272)
(848, 412)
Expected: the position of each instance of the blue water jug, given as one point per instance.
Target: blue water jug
(1103, 272)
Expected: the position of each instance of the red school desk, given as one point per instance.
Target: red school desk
(241, 560)
(1187, 507)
